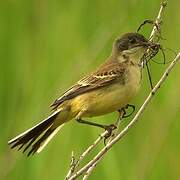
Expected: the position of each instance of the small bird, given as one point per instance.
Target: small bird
(106, 90)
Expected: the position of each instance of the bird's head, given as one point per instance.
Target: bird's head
(132, 45)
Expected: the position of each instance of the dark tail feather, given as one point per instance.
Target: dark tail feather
(37, 145)
(27, 138)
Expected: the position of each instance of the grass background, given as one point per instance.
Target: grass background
(45, 46)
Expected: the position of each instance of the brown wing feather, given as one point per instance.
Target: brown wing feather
(104, 76)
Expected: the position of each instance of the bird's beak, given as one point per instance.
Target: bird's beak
(150, 45)
(151, 50)
(153, 47)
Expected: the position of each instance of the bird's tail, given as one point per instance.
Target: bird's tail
(38, 136)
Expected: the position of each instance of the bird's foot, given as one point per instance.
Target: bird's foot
(109, 129)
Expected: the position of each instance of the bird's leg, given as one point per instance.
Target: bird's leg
(122, 114)
(111, 127)
(125, 115)
(106, 127)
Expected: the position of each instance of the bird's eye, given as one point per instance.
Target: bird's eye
(121, 45)
(132, 40)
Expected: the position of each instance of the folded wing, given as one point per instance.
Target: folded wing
(104, 76)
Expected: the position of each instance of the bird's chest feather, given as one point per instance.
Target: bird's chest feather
(113, 97)
(133, 79)
(119, 94)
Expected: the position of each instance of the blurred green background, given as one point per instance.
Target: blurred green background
(45, 46)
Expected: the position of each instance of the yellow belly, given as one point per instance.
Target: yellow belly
(107, 99)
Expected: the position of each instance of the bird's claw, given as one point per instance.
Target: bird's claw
(109, 129)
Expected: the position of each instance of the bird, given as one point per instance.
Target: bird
(107, 89)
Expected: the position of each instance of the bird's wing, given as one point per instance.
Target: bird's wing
(105, 75)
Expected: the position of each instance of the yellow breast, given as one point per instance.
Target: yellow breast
(110, 98)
